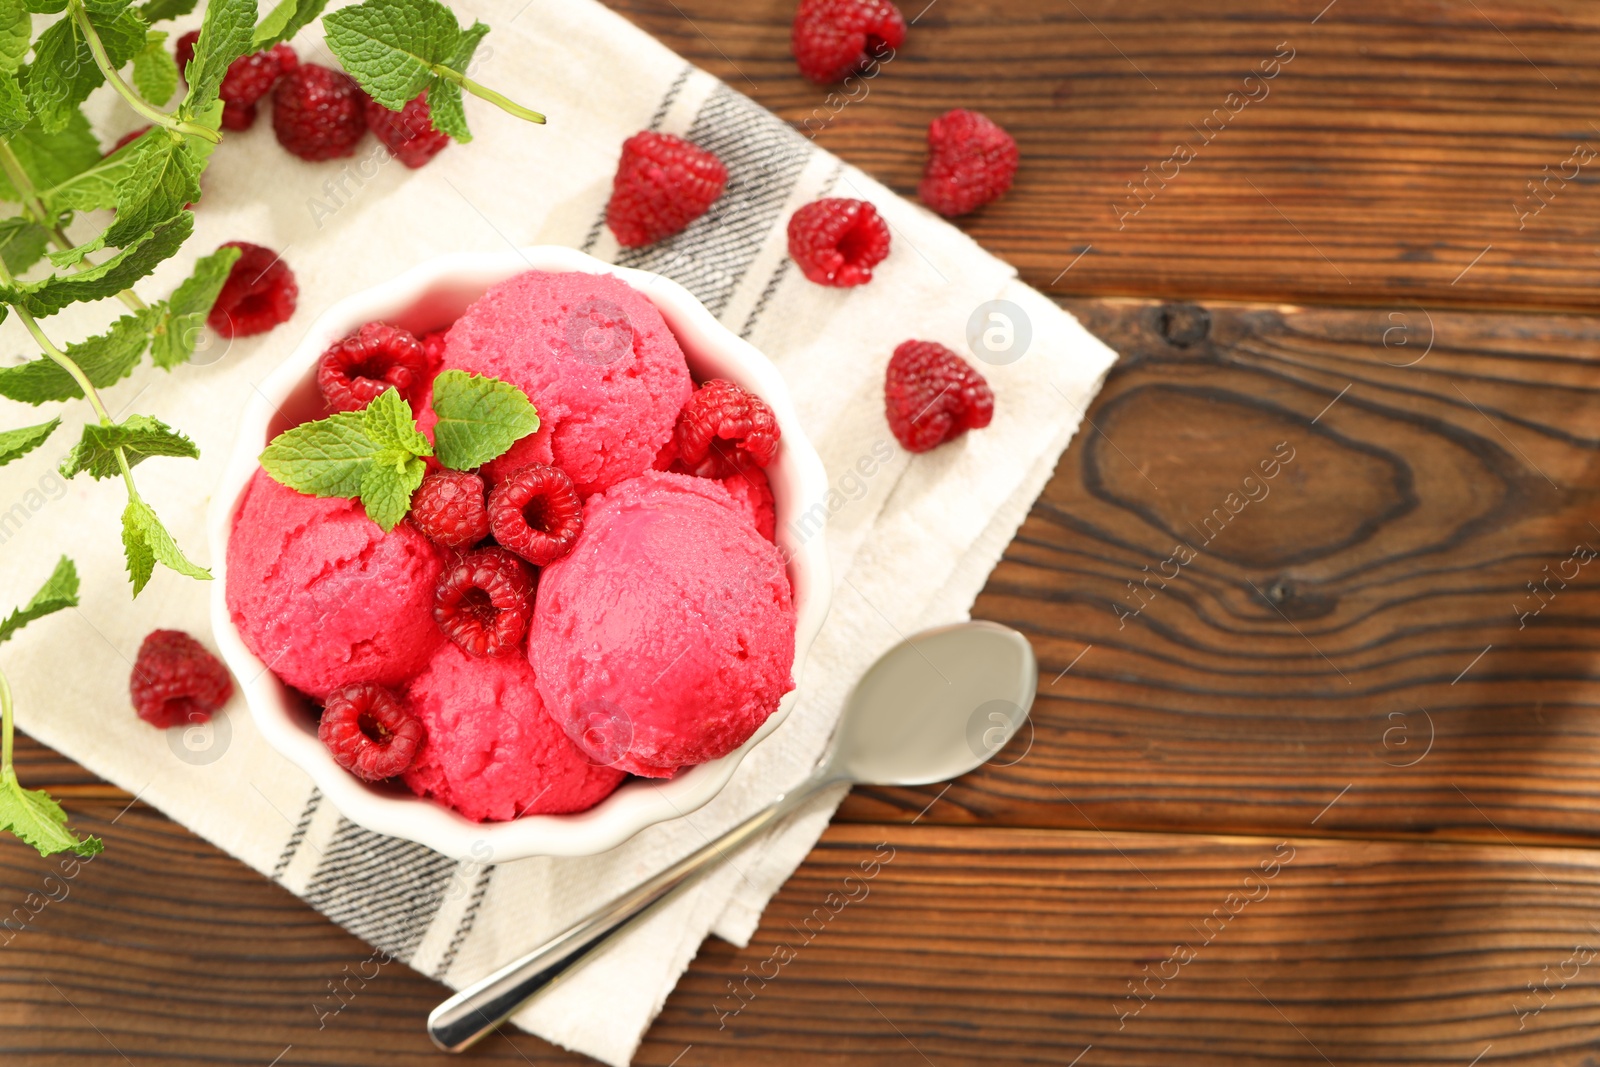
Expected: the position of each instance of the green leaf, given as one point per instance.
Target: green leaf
(105, 359)
(391, 46)
(479, 418)
(17, 443)
(16, 33)
(60, 591)
(63, 72)
(22, 243)
(387, 486)
(49, 295)
(46, 7)
(36, 818)
(224, 37)
(155, 72)
(444, 96)
(182, 319)
(161, 10)
(14, 114)
(51, 159)
(390, 425)
(325, 458)
(139, 437)
(284, 21)
(164, 178)
(146, 542)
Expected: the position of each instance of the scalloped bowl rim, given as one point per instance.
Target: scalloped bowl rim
(797, 475)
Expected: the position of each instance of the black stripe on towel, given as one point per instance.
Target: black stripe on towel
(299, 835)
(383, 890)
(465, 926)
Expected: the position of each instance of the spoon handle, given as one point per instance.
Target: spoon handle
(464, 1019)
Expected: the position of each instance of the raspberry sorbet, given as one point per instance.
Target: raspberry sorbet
(323, 596)
(492, 753)
(596, 359)
(666, 638)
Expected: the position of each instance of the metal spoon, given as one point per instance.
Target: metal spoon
(933, 707)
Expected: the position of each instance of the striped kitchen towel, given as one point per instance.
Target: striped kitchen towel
(911, 538)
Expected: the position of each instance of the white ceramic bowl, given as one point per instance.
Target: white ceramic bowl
(426, 298)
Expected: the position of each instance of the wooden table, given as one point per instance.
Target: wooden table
(1333, 794)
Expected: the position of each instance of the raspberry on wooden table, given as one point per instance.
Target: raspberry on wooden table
(259, 294)
(932, 396)
(536, 513)
(449, 508)
(837, 241)
(357, 370)
(370, 733)
(318, 113)
(724, 429)
(971, 161)
(177, 680)
(409, 134)
(663, 183)
(833, 39)
(484, 602)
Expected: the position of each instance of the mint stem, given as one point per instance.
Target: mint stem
(485, 93)
(5, 724)
(97, 48)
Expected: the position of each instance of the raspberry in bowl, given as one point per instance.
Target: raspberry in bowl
(562, 721)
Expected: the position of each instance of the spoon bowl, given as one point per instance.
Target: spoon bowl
(935, 706)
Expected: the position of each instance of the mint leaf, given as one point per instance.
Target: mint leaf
(45, 7)
(63, 72)
(284, 21)
(105, 359)
(391, 46)
(161, 10)
(182, 319)
(390, 425)
(224, 37)
(50, 295)
(94, 183)
(146, 542)
(139, 437)
(51, 158)
(17, 443)
(155, 72)
(325, 458)
(14, 113)
(60, 591)
(164, 178)
(387, 486)
(479, 418)
(16, 33)
(22, 243)
(36, 818)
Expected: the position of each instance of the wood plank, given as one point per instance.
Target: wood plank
(976, 945)
(1352, 632)
(1391, 152)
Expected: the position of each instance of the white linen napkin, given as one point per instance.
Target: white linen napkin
(912, 539)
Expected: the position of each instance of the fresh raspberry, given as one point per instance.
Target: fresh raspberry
(260, 293)
(249, 78)
(838, 241)
(318, 113)
(723, 429)
(833, 39)
(370, 733)
(536, 513)
(663, 183)
(448, 506)
(126, 139)
(970, 162)
(356, 371)
(484, 602)
(183, 51)
(177, 680)
(933, 396)
(408, 134)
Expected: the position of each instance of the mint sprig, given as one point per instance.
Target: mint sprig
(32, 814)
(376, 454)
